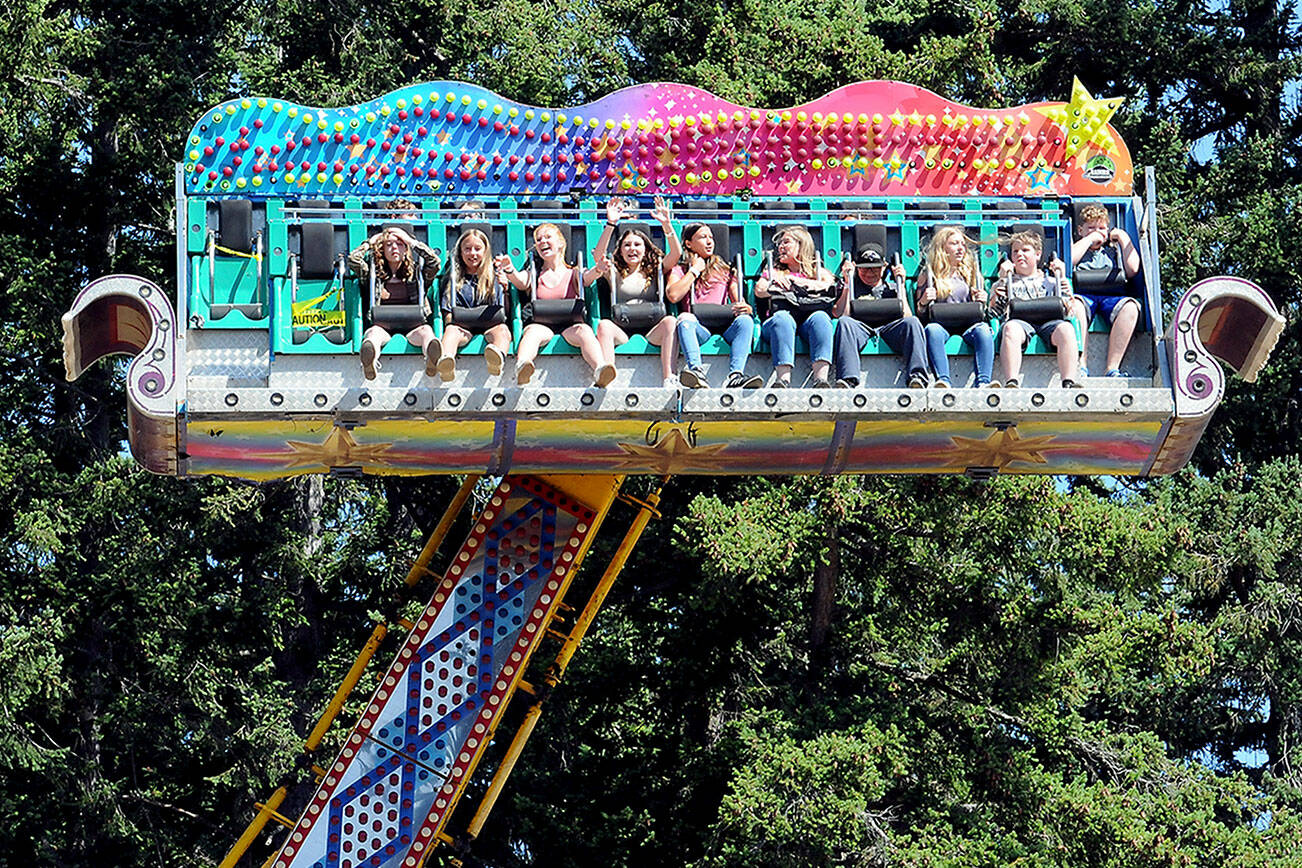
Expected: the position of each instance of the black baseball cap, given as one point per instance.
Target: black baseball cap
(869, 256)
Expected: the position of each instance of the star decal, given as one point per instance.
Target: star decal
(1084, 120)
(1040, 176)
(999, 450)
(897, 169)
(338, 450)
(795, 186)
(604, 146)
(671, 454)
(859, 167)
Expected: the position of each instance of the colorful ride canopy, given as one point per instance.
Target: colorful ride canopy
(874, 138)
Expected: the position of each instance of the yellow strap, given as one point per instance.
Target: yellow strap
(337, 291)
(229, 252)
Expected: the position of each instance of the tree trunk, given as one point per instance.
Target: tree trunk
(825, 580)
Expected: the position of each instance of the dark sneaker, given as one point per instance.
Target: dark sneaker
(1070, 384)
(738, 380)
(918, 381)
(693, 378)
(849, 383)
(821, 383)
(779, 384)
(1012, 383)
(1116, 373)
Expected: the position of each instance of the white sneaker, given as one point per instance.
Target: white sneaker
(494, 358)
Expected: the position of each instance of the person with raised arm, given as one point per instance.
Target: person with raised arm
(387, 262)
(636, 270)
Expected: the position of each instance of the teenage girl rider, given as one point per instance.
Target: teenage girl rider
(709, 291)
(557, 280)
(636, 263)
(390, 255)
(480, 308)
(952, 277)
(801, 303)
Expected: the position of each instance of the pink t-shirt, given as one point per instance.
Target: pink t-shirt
(561, 283)
(711, 288)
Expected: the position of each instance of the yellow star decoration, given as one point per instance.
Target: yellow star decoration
(604, 146)
(338, 450)
(1000, 449)
(1084, 120)
(671, 454)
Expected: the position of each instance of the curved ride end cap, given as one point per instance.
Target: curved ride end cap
(125, 314)
(1219, 320)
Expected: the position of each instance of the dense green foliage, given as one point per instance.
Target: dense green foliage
(792, 673)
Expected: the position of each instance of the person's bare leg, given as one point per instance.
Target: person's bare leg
(1123, 329)
(1064, 340)
(609, 336)
(581, 336)
(496, 347)
(1010, 352)
(535, 335)
(454, 338)
(372, 342)
(665, 336)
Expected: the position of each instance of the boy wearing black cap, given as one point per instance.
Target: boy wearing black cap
(861, 280)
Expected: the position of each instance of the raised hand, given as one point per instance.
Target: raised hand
(616, 210)
(661, 213)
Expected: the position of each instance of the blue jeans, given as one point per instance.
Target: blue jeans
(691, 334)
(904, 336)
(780, 331)
(978, 337)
